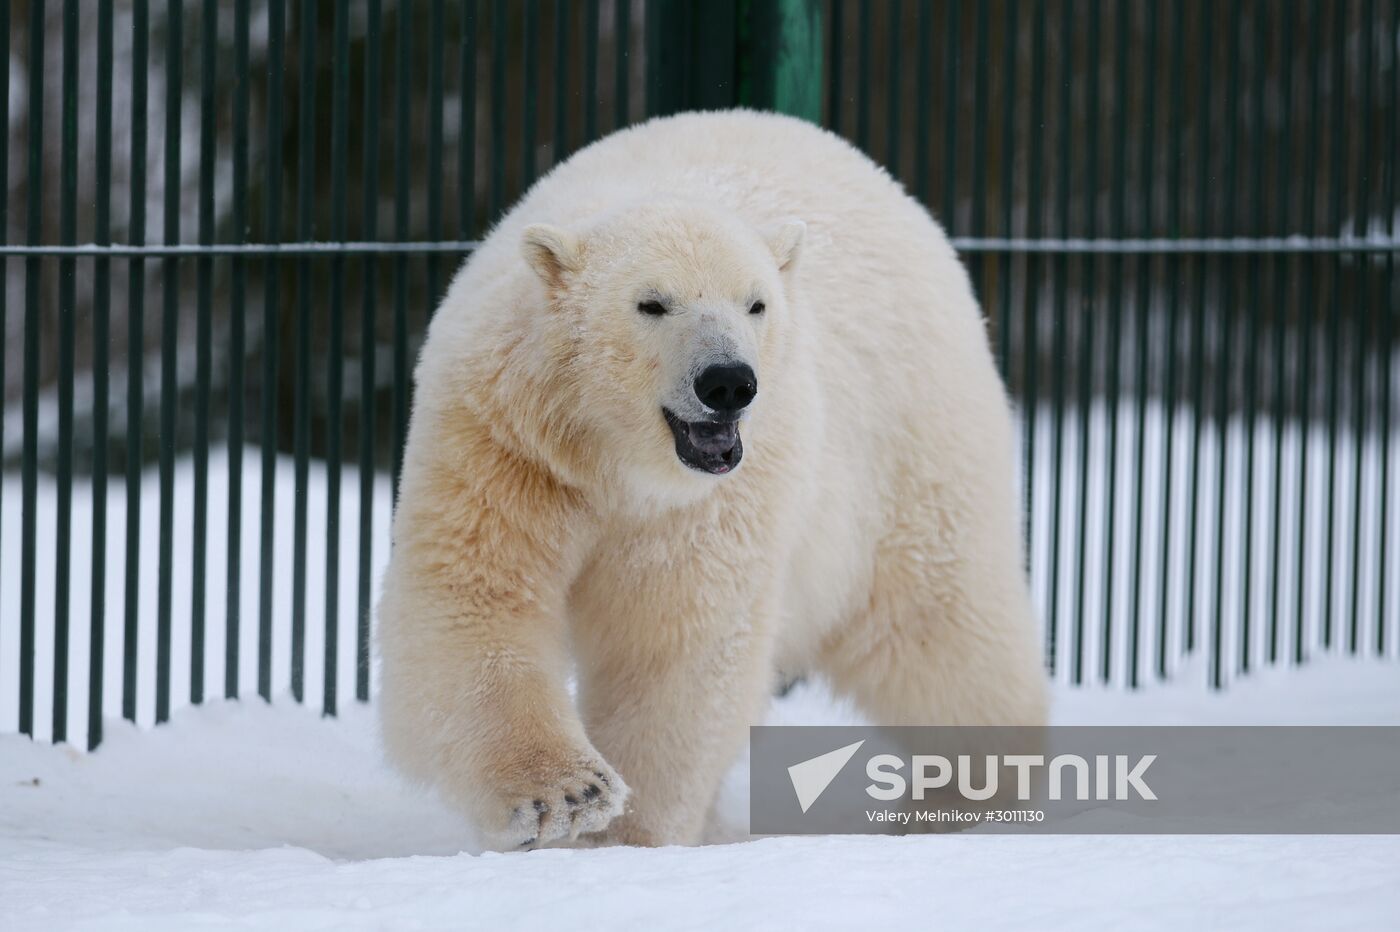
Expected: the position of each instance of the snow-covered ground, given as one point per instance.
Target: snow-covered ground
(248, 815)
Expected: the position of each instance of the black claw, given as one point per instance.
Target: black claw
(529, 841)
(570, 799)
(600, 776)
(592, 791)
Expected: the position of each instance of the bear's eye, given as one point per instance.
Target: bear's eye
(654, 308)
(756, 308)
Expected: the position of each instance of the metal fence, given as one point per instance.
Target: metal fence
(226, 224)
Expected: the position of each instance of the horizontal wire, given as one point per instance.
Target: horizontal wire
(156, 250)
(1231, 246)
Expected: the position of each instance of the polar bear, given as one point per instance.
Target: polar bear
(712, 406)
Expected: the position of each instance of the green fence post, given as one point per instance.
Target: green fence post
(782, 65)
(765, 54)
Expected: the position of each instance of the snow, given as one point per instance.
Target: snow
(250, 815)
(989, 883)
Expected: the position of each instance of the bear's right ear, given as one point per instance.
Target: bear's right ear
(785, 242)
(551, 252)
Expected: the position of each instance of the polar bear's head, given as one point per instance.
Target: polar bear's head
(674, 318)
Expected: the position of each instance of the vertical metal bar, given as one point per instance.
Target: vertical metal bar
(434, 153)
(236, 352)
(1118, 222)
(335, 355)
(1227, 329)
(1305, 337)
(1198, 328)
(1087, 356)
(923, 88)
(169, 336)
(34, 229)
(530, 116)
(784, 47)
(276, 40)
(67, 313)
(466, 122)
(1251, 331)
(498, 111)
(981, 107)
(895, 11)
(1011, 53)
(1337, 182)
(301, 399)
(1387, 312)
(835, 43)
(1144, 317)
(667, 68)
(622, 49)
(1058, 350)
(403, 129)
(667, 73)
(1360, 316)
(590, 71)
(1173, 275)
(1252, 350)
(561, 80)
(209, 37)
(952, 47)
(1280, 319)
(368, 338)
(979, 128)
(863, 76)
(101, 365)
(1034, 228)
(135, 355)
(4, 226)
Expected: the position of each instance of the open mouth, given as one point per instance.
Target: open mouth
(709, 446)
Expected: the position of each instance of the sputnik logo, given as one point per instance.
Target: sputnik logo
(811, 777)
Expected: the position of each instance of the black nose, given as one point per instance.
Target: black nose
(726, 389)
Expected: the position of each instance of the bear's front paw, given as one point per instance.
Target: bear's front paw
(561, 802)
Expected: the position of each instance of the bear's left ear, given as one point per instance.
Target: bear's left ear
(552, 252)
(785, 242)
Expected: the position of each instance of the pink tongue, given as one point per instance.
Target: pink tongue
(713, 438)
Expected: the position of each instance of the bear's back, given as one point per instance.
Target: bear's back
(882, 295)
(879, 281)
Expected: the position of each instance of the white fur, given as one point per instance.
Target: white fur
(545, 524)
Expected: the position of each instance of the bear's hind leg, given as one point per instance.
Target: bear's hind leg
(941, 642)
